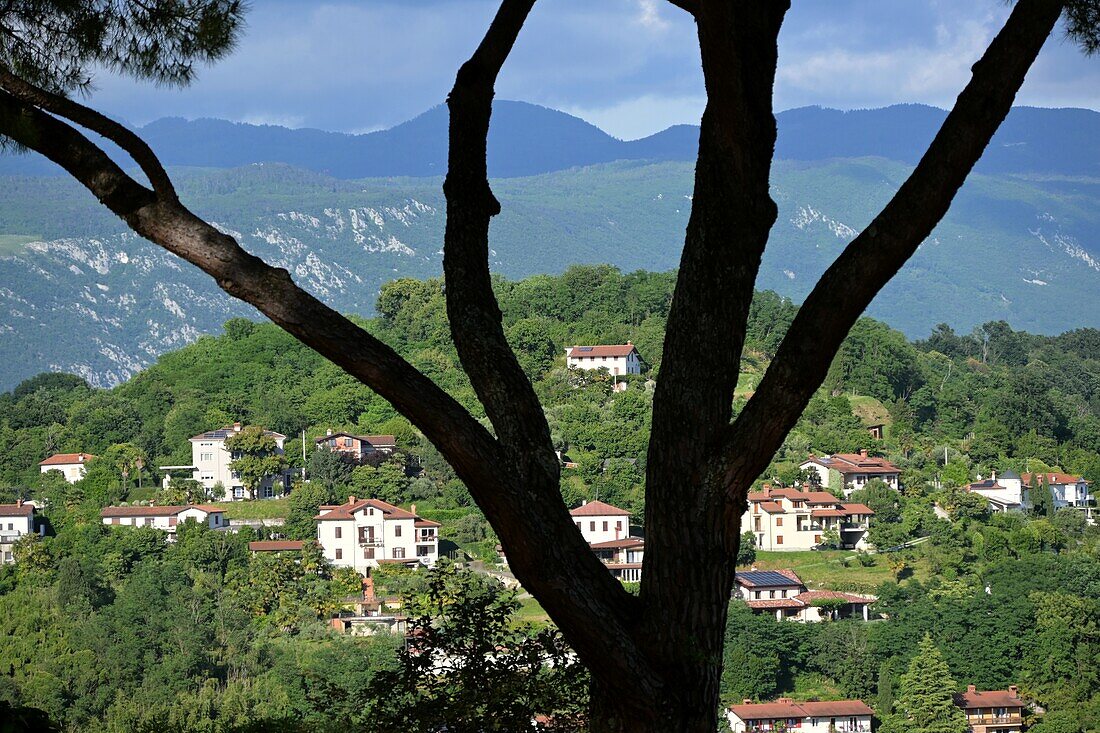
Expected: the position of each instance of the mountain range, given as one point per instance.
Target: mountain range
(345, 213)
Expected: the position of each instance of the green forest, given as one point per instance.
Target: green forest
(106, 630)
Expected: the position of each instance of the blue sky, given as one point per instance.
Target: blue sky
(629, 66)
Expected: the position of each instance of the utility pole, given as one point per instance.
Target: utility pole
(303, 454)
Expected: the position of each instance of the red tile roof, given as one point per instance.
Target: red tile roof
(16, 510)
(616, 350)
(836, 707)
(598, 509)
(426, 523)
(378, 441)
(827, 513)
(991, 698)
(772, 507)
(789, 709)
(808, 597)
(154, 511)
(1051, 478)
(776, 603)
(346, 511)
(275, 545)
(66, 459)
(847, 463)
(857, 509)
(624, 543)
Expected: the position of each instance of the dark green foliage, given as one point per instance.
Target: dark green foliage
(924, 696)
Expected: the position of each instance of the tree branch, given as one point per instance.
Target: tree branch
(88, 118)
(876, 255)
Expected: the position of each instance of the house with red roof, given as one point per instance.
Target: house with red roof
(72, 466)
(1066, 490)
(366, 533)
(606, 529)
(783, 594)
(852, 471)
(833, 716)
(993, 711)
(356, 447)
(16, 520)
(166, 518)
(617, 359)
(798, 519)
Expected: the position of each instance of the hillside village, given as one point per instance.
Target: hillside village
(918, 490)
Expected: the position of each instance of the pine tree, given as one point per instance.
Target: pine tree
(924, 696)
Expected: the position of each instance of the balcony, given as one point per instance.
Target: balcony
(370, 542)
(7, 538)
(1009, 719)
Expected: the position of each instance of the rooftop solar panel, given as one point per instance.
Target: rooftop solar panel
(765, 577)
(584, 348)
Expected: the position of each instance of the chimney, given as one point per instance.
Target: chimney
(971, 688)
(863, 452)
(79, 457)
(236, 427)
(351, 500)
(746, 701)
(328, 432)
(19, 502)
(584, 501)
(1013, 691)
(629, 343)
(785, 700)
(412, 508)
(992, 476)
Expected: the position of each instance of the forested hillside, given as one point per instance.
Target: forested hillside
(111, 630)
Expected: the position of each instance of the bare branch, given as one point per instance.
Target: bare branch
(475, 317)
(875, 256)
(88, 118)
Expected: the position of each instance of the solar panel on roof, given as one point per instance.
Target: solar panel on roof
(584, 348)
(765, 577)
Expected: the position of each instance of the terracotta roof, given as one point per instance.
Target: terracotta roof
(856, 509)
(275, 545)
(616, 350)
(1051, 478)
(154, 511)
(820, 497)
(624, 565)
(991, 698)
(789, 709)
(837, 708)
(772, 507)
(827, 513)
(847, 463)
(426, 523)
(788, 493)
(386, 441)
(16, 510)
(808, 597)
(624, 543)
(758, 496)
(598, 509)
(66, 459)
(345, 512)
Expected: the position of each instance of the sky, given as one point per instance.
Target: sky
(629, 66)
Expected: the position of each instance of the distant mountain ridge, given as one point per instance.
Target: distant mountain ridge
(527, 139)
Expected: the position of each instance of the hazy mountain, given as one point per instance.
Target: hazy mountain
(526, 140)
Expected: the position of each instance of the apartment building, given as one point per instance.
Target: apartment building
(72, 466)
(210, 464)
(357, 447)
(165, 518)
(852, 471)
(782, 593)
(364, 533)
(16, 520)
(797, 519)
(839, 716)
(994, 711)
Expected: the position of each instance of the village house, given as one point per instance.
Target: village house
(16, 520)
(165, 518)
(995, 711)
(852, 471)
(72, 466)
(796, 519)
(210, 464)
(1003, 494)
(357, 447)
(782, 593)
(1068, 491)
(838, 716)
(617, 359)
(606, 529)
(364, 533)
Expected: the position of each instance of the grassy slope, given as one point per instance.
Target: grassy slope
(260, 509)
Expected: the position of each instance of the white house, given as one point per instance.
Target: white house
(166, 518)
(617, 359)
(852, 471)
(210, 463)
(72, 466)
(1003, 493)
(1066, 490)
(16, 520)
(838, 716)
(782, 593)
(365, 533)
(601, 522)
(795, 519)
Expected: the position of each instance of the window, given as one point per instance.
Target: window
(779, 521)
(423, 550)
(368, 553)
(605, 526)
(397, 531)
(578, 525)
(206, 456)
(347, 442)
(619, 526)
(771, 594)
(148, 521)
(172, 521)
(399, 553)
(114, 520)
(339, 532)
(238, 492)
(591, 526)
(339, 554)
(779, 539)
(756, 594)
